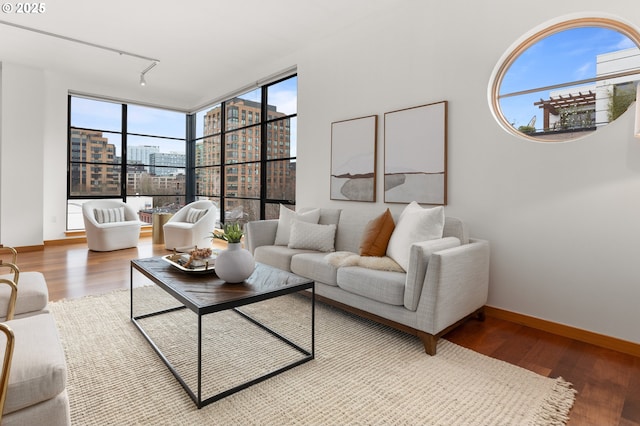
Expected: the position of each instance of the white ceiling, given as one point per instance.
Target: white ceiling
(198, 42)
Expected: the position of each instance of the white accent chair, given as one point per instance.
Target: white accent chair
(110, 225)
(191, 226)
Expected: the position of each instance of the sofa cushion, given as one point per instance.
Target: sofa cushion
(277, 256)
(38, 367)
(311, 236)
(382, 286)
(414, 224)
(380, 263)
(375, 237)
(33, 294)
(105, 215)
(351, 228)
(315, 266)
(285, 219)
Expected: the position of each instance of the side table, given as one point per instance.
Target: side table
(158, 220)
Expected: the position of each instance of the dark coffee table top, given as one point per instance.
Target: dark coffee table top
(206, 293)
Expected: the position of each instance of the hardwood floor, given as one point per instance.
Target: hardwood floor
(608, 382)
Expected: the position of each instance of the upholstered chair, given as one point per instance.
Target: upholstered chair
(110, 225)
(33, 381)
(191, 226)
(33, 294)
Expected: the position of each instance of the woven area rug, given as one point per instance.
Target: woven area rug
(363, 373)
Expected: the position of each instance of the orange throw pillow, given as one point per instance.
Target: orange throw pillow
(375, 237)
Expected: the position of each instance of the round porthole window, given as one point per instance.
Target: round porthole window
(568, 80)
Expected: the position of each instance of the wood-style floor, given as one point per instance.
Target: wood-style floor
(608, 382)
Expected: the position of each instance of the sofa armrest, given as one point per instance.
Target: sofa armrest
(419, 256)
(260, 233)
(456, 285)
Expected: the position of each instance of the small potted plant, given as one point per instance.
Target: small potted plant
(234, 264)
(231, 233)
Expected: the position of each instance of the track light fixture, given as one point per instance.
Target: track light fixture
(143, 82)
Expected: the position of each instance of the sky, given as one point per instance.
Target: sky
(563, 57)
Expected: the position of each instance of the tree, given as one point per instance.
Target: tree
(620, 97)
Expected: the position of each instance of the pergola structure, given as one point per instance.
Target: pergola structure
(554, 105)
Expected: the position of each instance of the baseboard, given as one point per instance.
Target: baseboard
(25, 249)
(76, 237)
(566, 331)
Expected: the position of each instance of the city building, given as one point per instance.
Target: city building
(102, 178)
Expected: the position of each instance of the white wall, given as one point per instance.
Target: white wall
(562, 219)
(21, 156)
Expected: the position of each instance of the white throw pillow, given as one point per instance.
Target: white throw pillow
(415, 224)
(115, 214)
(310, 236)
(194, 215)
(285, 219)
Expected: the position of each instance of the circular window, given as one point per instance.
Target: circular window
(568, 80)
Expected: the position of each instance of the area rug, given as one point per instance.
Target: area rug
(363, 373)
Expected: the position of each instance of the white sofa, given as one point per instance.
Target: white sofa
(445, 283)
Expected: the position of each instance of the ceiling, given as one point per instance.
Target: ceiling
(198, 43)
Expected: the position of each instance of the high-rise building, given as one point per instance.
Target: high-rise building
(141, 154)
(243, 147)
(167, 163)
(95, 168)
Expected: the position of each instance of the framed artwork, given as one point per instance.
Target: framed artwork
(353, 159)
(415, 155)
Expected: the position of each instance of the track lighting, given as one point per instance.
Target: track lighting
(143, 82)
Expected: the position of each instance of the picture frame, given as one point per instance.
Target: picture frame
(354, 159)
(415, 154)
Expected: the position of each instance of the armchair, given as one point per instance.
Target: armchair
(191, 226)
(34, 372)
(33, 296)
(110, 225)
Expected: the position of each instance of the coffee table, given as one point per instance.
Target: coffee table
(205, 294)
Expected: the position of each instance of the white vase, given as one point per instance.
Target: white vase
(235, 264)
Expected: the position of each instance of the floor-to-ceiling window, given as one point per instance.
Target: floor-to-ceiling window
(245, 151)
(104, 136)
(239, 153)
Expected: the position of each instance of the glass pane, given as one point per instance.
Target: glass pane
(151, 151)
(272, 210)
(208, 121)
(242, 180)
(94, 179)
(243, 145)
(95, 146)
(241, 211)
(243, 110)
(156, 121)
(208, 181)
(281, 180)
(279, 143)
(566, 56)
(140, 182)
(99, 115)
(208, 151)
(283, 96)
(569, 83)
(147, 205)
